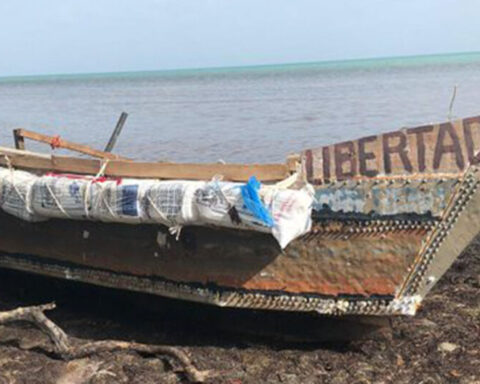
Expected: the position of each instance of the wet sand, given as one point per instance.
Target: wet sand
(439, 345)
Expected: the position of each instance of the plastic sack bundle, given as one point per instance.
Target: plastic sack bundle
(291, 211)
(283, 212)
(15, 194)
(60, 196)
(171, 202)
(118, 200)
(86, 197)
(221, 204)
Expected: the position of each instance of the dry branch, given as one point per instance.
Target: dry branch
(68, 351)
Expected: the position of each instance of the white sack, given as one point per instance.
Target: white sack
(15, 194)
(118, 201)
(60, 196)
(171, 202)
(214, 201)
(291, 211)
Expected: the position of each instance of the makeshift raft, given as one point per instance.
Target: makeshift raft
(363, 227)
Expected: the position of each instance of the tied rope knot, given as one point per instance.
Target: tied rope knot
(176, 231)
(100, 173)
(56, 142)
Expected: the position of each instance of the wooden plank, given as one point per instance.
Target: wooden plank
(116, 132)
(57, 142)
(142, 170)
(18, 139)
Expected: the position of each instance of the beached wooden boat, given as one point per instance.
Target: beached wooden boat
(391, 214)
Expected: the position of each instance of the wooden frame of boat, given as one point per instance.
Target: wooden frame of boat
(392, 213)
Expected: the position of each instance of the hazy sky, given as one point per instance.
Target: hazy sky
(65, 36)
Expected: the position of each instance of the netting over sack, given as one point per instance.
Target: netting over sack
(221, 203)
(60, 197)
(171, 202)
(118, 200)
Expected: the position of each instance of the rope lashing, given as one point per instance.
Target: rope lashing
(56, 142)
(100, 173)
(25, 199)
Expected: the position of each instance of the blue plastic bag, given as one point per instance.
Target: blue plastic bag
(253, 203)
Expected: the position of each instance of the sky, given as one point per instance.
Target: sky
(72, 36)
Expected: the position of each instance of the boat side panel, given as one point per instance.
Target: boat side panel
(438, 149)
(459, 226)
(384, 198)
(352, 258)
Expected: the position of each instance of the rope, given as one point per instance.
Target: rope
(12, 176)
(25, 199)
(100, 173)
(231, 209)
(60, 207)
(9, 162)
(175, 229)
(56, 142)
(159, 212)
(286, 183)
(105, 192)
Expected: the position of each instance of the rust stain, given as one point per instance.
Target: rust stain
(360, 266)
(236, 259)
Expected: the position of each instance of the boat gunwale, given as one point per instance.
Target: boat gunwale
(35, 161)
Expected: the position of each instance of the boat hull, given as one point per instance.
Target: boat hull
(385, 228)
(342, 267)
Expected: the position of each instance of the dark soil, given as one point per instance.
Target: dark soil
(439, 345)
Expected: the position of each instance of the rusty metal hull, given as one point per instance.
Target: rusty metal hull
(349, 265)
(385, 229)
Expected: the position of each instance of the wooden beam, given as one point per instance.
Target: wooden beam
(18, 139)
(20, 134)
(116, 132)
(142, 170)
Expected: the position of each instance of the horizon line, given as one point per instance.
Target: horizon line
(230, 67)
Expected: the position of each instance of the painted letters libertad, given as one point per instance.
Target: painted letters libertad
(440, 148)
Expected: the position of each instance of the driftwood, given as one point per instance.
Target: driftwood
(68, 351)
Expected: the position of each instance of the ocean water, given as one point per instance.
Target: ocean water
(251, 114)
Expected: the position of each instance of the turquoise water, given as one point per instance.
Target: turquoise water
(248, 114)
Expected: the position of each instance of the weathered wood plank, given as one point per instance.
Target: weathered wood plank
(20, 134)
(18, 139)
(142, 170)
